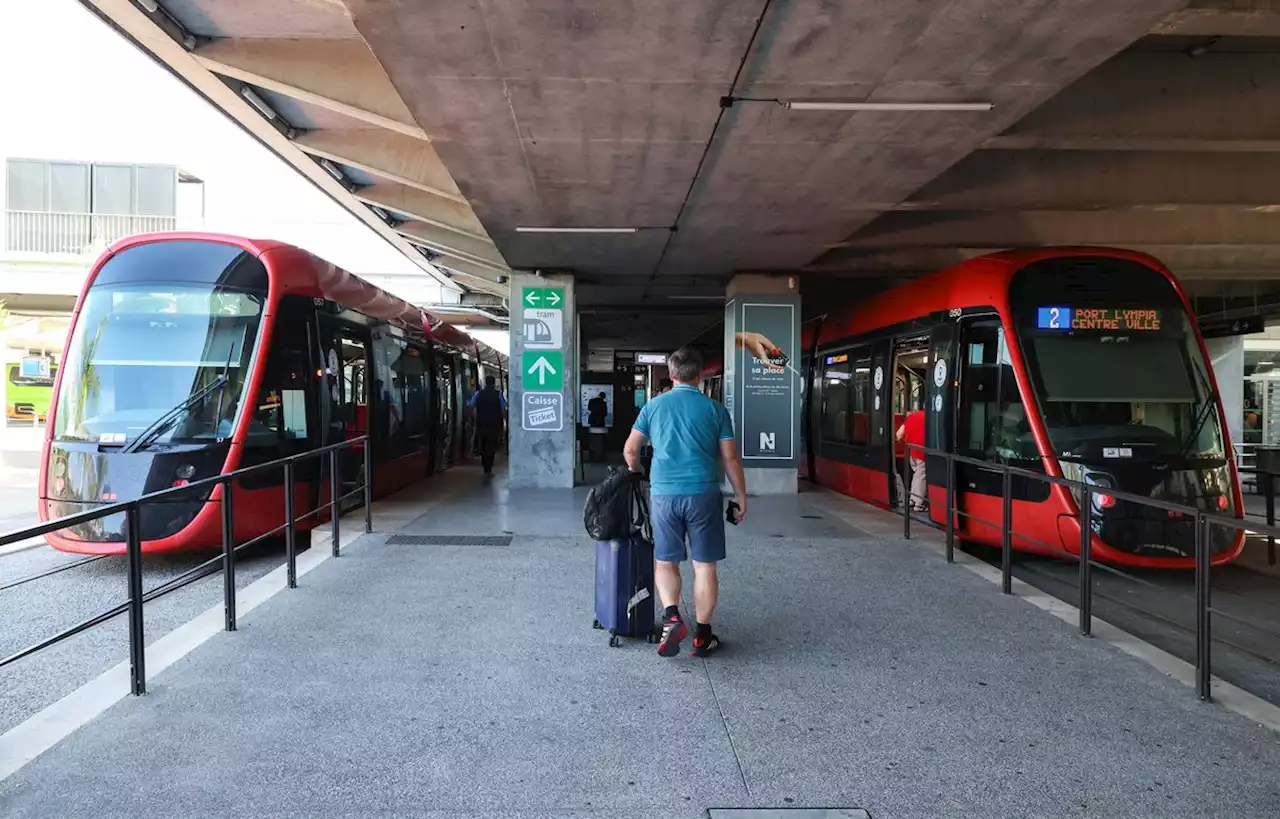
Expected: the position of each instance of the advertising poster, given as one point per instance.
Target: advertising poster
(767, 338)
(586, 402)
(730, 359)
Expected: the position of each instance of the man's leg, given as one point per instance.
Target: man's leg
(918, 483)
(706, 543)
(667, 514)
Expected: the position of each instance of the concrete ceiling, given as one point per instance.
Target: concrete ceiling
(1151, 124)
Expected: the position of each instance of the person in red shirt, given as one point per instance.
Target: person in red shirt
(912, 433)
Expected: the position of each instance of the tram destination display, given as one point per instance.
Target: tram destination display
(1117, 319)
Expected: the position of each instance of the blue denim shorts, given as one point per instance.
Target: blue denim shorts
(701, 517)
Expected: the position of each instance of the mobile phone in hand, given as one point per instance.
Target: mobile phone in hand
(731, 514)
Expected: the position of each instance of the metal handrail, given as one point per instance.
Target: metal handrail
(1084, 559)
(133, 606)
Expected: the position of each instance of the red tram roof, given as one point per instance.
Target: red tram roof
(300, 271)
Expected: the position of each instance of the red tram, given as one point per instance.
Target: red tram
(191, 355)
(1085, 363)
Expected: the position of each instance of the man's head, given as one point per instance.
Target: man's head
(602, 395)
(490, 381)
(685, 366)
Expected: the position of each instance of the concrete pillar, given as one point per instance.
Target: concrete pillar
(764, 401)
(544, 366)
(1227, 357)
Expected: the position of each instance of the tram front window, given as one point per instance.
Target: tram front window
(1145, 397)
(164, 362)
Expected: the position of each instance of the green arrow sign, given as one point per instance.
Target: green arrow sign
(543, 369)
(546, 298)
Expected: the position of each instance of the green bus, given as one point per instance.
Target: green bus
(28, 397)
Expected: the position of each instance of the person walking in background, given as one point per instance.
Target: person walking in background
(692, 437)
(491, 412)
(912, 434)
(597, 411)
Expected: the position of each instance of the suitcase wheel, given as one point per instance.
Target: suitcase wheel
(614, 641)
(651, 637)
(596, 624)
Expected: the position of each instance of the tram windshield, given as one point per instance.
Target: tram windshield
(1127, 381)
(163, 362)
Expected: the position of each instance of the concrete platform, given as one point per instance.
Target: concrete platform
(860, 672)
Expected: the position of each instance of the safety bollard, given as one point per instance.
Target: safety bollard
(137, 644)
(290, 527)
(1086, 567)
(228, 556)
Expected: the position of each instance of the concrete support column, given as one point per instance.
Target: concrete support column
(763, 395)
(1227, 357)
(544, 365)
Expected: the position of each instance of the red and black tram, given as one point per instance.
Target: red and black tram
(190, 355)
(1085, 363)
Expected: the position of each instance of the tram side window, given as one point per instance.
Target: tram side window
(835, 400)
(388, 352)
(860, 397)
(415, 398)
(993, 422)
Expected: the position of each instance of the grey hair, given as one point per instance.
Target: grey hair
(684, 365)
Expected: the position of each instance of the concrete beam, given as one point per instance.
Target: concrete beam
(1226, 18)
(1184, 226)
(340, 75)
(388, 154)
(451, 242)
(1160, 101)
(1242, 262)
(1088, 180)
(429, 208)
(136, 25)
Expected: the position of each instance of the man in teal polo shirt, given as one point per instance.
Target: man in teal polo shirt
(692, 436)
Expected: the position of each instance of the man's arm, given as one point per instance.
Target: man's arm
(631, 451)
(737, 478)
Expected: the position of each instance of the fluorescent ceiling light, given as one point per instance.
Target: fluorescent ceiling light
(698, 298)
(333, 170)
(576, 230)
(150, 5)
(257, 102)
(815, 105)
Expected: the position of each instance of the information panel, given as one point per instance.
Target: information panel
(1124, 319)
(767, 340)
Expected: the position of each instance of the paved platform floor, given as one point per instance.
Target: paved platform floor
(860, 671)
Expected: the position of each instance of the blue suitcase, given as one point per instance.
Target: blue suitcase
(624, 588)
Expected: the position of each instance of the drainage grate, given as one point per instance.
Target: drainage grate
(812, 517)
(448, 540)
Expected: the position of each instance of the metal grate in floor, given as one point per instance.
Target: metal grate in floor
(788, 813)
(448, 540)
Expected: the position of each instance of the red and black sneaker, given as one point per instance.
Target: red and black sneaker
(705, 646)
(673, 631)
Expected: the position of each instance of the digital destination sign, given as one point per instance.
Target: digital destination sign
(838, 359)
(1124, 319)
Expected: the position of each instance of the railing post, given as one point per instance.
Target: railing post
(290, 526)
(951, 509)
(137, 645)
(335, 492)
(906, 494)
(368, 488)
(1203, 636)
(228, 556)
(1006, 533)
(1086, 566)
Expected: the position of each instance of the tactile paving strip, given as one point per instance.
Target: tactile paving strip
(448, 540)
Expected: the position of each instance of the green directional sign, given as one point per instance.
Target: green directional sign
(545, 298)
(543, 369)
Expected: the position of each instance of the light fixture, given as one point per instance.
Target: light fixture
(150, 5)
(576, 230)
(333, 170)
(818, 105)
(257, 102)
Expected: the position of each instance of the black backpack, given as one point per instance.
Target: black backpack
(616, 508)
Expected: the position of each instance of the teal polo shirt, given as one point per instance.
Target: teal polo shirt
(686, 429)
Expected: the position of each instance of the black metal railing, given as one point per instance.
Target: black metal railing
(224, 562)
(1084, 494)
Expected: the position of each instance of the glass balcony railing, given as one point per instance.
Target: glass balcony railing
(76, 234)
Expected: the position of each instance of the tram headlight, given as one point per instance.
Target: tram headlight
(185, 471)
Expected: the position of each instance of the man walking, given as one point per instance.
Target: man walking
(692, 436)
(491, 411)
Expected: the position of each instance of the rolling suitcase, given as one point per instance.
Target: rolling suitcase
(624, 583)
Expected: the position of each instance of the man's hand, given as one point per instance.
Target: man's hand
(741, 500)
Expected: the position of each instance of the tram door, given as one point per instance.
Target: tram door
(346, 370)
(446, 411)
(939, 412)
